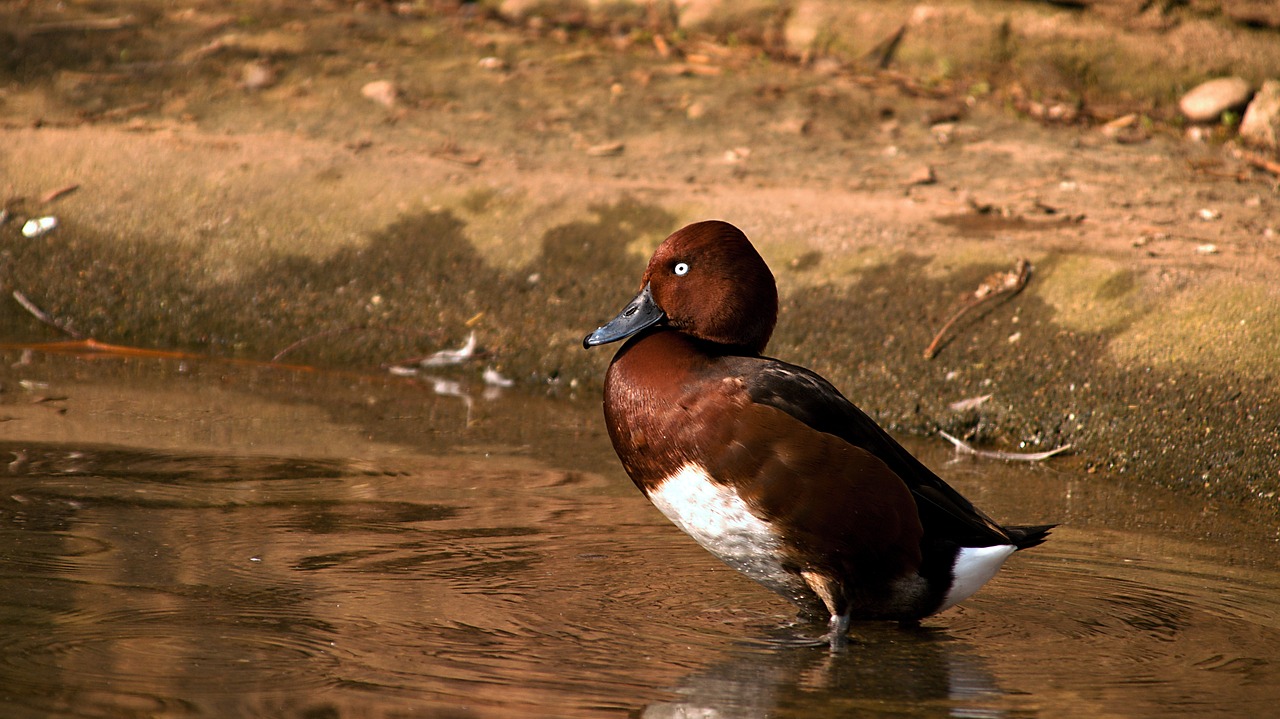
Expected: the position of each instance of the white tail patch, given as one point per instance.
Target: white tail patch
(974, 567)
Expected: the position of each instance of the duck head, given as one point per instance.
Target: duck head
(707, 281)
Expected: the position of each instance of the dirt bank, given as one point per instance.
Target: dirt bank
(237, 191)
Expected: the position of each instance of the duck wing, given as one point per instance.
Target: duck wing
(806, 396)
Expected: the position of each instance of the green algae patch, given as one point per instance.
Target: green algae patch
(1090, 294)
(799, 266)
(505, 223)
(1217, 327)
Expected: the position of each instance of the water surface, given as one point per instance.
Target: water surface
(186, 538)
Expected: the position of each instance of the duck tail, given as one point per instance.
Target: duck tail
(1025, 537)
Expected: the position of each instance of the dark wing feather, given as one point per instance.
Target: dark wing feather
(803, 394)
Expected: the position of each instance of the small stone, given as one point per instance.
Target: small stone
(1195, 133)
(608, 149)
(1261, 123)
(1125, 129)
(516, 11)
(1120, 123)
(923, 176)
(1207, 101)
(494, 379)
(791, 126)
(492, 63)
(1253, 13)
(1209, 215)
(1061, 112)
(39, 226)
(722, 18)
(1209, 249)
(828, 66)
(803, 27)
(383, 92)
(257, 75)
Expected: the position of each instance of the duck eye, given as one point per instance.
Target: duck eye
(681, 268)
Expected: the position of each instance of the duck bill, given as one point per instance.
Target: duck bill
(640, 313)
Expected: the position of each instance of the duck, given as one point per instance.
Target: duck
(766, 464)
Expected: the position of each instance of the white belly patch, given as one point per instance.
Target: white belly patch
(717, 518)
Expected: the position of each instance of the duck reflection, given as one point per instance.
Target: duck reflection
(885, 669)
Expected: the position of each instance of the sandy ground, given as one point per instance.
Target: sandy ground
(236, 191)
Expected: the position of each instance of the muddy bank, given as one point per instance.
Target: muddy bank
(519, 178)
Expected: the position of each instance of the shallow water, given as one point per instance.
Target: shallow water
(185, 538)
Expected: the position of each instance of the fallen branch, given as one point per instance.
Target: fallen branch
(43, 316)
(340, 331)
(458, 159)
(52, 195)
(84, 25)
(116, 113)
(884, 50)
(965, 448)
(93, 348)
(446, 358)
(999, 284)
(1259, 162)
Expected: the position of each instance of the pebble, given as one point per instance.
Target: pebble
(1113, 128)
(39, 226)
(923, 176)
(1195, 133)
(383, 92)
(1207, 101)
(257, 75)
(607, 149)
(494, 379)
(1261, 123)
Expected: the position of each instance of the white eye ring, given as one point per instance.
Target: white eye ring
(682, 268)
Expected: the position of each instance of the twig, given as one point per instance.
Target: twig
(342, 330)
(52, 195)
(459, 159)
(965, 448)
(445, 358)
(996, 285)
(1259, 162)
(98, 23)
(43, 316)
(884, 51)
(118, 112)
(450, 152)
(660, 44)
